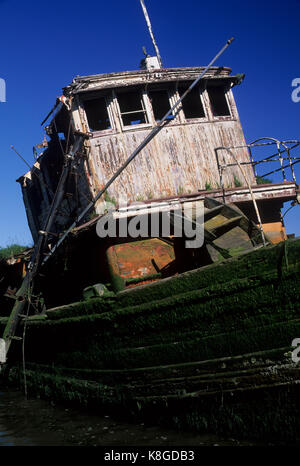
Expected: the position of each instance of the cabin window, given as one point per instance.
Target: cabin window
(97, 114)
(192, 103)
(132, 108)
(218, 101)
(160, 103)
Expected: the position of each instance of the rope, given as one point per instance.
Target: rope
(61, 147)
(23, 339)
(288, 210)
(68, 136)
(286, 255)
(33, 171)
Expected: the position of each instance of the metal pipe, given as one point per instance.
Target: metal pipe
(278, 169)
(291, 164)
(220, 170)
(263, 161)
(281, 162)
(12, 147)
(51, 111)
(252, 161)
(251, 192)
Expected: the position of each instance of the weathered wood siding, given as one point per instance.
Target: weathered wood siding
(180, 159)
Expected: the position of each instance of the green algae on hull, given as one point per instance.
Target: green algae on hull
(102, 351)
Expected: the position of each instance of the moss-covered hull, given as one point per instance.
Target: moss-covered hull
(209, 349)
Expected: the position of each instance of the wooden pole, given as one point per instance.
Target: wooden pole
(151, 33)
(23, 294)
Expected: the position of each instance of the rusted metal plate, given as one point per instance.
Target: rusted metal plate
(141, 258)
(276, 232)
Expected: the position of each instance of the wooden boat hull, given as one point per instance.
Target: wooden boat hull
(209, 349)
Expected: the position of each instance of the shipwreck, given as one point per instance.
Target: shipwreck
(198, 337)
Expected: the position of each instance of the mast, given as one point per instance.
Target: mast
(151, 32)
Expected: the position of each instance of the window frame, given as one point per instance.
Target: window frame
(145, 108)
(172, 96)
(108, 98)
(202, 96)
(226, 93)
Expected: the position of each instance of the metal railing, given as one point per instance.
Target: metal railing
(282, 155)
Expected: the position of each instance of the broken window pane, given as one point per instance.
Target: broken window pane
(97, 115)
(218, 101)
(160, 103)
(132, 108)
(192, 103)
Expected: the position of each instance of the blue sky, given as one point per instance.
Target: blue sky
(45, 44)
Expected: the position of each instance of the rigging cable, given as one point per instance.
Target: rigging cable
(29, 295)
(293, 205)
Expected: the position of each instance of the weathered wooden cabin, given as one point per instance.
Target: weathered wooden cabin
(185, 162)
(117, 110)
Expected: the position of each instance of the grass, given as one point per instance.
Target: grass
(261, 180)
(93, 215)
(11, 250)
(237, 182)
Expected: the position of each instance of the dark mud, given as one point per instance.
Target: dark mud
(34, 422)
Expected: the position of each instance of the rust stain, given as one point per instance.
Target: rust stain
(142, 258)
(275, 231)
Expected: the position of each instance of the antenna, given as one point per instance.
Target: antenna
(151, 32)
